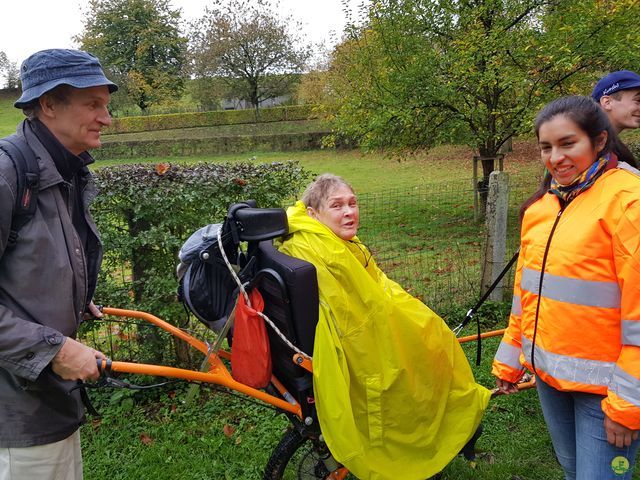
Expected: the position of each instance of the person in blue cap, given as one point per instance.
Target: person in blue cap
(48, 270)
(618, 93)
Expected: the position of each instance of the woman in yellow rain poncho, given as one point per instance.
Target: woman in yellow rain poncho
(394, 391)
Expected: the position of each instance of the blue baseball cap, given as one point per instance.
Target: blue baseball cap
(614, 82)
(45, 70)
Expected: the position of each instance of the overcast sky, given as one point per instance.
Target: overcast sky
(32, 25)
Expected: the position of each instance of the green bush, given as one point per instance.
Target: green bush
(211, 146)
(635, 149)
(146, 212)
(208, 119)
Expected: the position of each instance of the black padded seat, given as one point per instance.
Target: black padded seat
(289, 287)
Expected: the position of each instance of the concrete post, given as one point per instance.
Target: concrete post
(496, 222)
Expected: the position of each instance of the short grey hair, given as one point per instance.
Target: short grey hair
(60, 95)
(319, 190)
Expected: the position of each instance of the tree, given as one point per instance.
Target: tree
(12, 76)
(256, 53)
(208, 92)
(139, 43)
(10, 71)
(421, 71)
(314, 84)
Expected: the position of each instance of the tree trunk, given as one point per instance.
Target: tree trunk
(255, 100)
(140, 256)
(488, 165)
(141, 262)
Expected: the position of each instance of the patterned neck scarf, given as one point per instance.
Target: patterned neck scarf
(566, 193)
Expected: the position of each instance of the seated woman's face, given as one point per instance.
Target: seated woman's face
(339, 212)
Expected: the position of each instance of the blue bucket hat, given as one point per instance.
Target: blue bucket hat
(614, 82)
(45, 70)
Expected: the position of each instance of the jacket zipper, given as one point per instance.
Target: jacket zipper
(72, 197)
(542, 270)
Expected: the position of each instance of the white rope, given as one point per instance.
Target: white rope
(246, 297)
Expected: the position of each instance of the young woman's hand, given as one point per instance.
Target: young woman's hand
(506, 387)
(618, 434)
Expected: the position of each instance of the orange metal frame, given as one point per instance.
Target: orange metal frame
(219, 374)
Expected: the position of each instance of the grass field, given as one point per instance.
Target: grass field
(9, 115)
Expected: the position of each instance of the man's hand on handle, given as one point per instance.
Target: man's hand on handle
(93, 311)
(76, 361)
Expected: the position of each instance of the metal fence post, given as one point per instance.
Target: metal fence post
(496, 222)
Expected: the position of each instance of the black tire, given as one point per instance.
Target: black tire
(297, 458)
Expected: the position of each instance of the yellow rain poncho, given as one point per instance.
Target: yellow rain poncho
(394, 391)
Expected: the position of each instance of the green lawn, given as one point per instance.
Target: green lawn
(9, 115)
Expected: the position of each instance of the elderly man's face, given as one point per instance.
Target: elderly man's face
(77, 123)
(339, 212)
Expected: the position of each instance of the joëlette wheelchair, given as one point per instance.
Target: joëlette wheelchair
(290, 291)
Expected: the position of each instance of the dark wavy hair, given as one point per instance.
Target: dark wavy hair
(592, 120)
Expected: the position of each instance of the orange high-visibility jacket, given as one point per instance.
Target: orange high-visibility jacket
(587, 337)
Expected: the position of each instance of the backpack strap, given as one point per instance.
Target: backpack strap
(28, 182)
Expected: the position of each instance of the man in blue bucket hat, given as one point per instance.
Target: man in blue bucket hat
(49, 264)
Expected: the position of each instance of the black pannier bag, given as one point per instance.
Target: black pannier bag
(206, 286)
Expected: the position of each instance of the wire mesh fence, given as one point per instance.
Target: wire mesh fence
(139, 341)
(427, 239)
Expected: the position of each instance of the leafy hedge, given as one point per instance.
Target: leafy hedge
(146, 212)
(208, 119)
(211, 146)
(635, 149)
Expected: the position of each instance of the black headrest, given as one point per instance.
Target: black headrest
(257, 224)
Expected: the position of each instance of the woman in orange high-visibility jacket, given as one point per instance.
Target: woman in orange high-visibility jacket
(575, 320)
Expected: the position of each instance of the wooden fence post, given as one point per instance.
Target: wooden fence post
(496, 222)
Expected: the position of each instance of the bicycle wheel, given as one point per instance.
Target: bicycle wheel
(297, 458)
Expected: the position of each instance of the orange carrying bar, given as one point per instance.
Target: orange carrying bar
(218, 373)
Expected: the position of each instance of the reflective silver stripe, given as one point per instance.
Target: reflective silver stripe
(626, 386)
(572, 290)
(516, 306)
(631, 332)
(571, 369)
(509, 355)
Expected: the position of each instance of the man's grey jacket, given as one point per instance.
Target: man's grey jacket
(45, 283)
